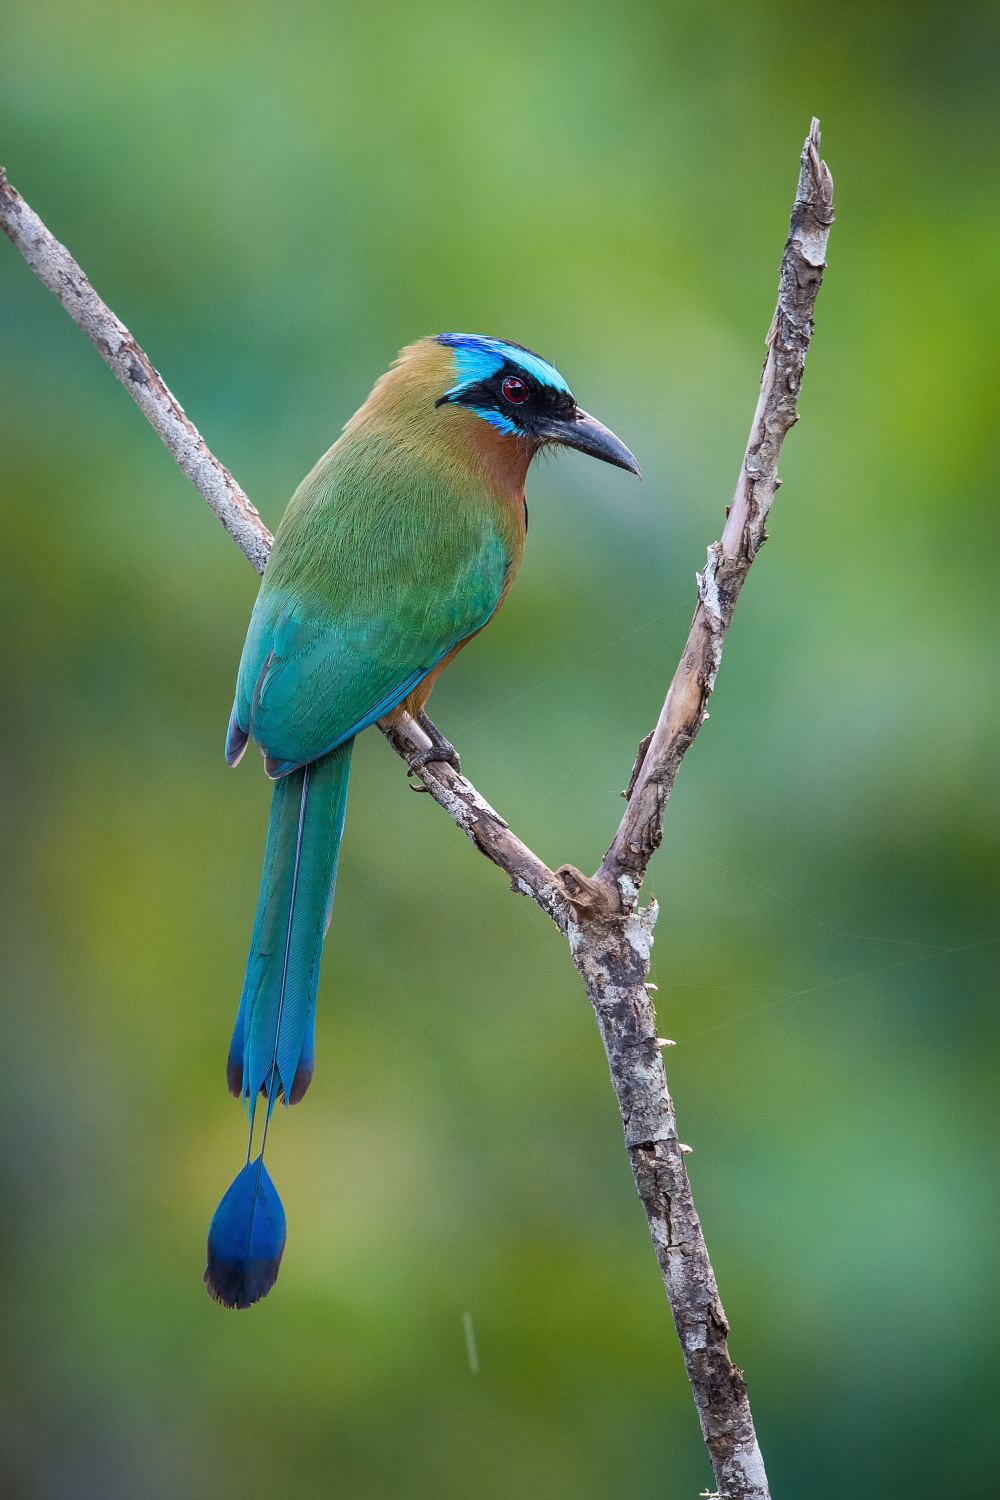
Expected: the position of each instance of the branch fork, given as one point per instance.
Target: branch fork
(609, 934)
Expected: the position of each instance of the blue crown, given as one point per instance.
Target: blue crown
(477, 358)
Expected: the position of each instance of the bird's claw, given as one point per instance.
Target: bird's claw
(441, 750)
(444, 750)
(435, 753)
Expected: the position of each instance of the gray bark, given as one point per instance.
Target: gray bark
(609, 935)
(53, 264)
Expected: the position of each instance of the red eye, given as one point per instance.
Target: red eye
(515, 390)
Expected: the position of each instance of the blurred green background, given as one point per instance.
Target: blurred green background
(275, 198)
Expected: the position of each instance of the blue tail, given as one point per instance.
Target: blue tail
(245, 1240)
(274, 1040)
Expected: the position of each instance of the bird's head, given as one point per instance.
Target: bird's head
(522, 396)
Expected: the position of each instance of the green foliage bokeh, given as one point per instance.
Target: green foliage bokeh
(275, 198)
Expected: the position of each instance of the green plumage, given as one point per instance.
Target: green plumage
(375, 575)
(391, 553)
(394, 551)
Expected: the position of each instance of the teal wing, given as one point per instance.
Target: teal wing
(312, 677)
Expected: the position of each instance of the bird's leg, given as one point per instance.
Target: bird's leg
(440, 750)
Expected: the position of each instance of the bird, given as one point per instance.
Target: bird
(396, 549)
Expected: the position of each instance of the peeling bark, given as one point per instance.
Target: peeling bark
(477, 819)
(613, 958)
(610, 937)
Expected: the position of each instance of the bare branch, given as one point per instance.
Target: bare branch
(609, 939)
(54, 265)
(474, 815)
(729, 559)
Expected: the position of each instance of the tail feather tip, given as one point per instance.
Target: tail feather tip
(234, 1077)
(240, 1285)
(301, 1081)
(246, 1239)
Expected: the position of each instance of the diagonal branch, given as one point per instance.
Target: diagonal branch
(53, 264)
(609, 938)
(729, 559)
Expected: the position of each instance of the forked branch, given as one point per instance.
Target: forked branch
(609, 937)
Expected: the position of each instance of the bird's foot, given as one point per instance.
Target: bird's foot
(444, 750)
(441, 750)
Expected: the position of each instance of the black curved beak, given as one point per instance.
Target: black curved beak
(590, 436)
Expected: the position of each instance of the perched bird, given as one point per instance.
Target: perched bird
(393, 553)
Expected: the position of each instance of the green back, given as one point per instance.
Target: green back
(384, 560)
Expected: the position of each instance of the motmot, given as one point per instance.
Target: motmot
(395, 550)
